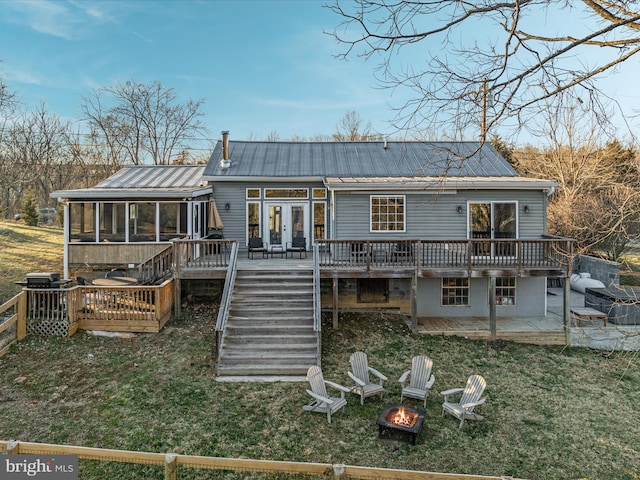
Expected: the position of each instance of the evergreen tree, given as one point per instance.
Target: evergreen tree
(30, 212)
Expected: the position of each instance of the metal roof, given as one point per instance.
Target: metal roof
(357, 159)
(145, 181)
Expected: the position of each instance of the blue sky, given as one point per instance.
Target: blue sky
(262, 66)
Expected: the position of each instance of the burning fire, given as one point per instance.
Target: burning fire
(402, 418)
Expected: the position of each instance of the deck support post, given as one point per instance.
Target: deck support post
(334, 303)
(566, 310)
(177, 297)
(492, 308)
(414, 302)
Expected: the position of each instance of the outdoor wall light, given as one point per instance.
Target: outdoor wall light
(227, 206)
(526, 209)
(459, 209)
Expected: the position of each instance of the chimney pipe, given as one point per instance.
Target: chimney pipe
(225, 145)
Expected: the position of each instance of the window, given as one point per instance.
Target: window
(82, 222)
(253, 219)
(455, 291)
(319, 193)
(319, 216)
(286, 193)
(506, 291)
(387, 213)
(253, 193)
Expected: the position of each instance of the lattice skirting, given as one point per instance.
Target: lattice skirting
(60, 328)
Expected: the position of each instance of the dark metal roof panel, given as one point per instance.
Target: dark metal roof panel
(359, 159)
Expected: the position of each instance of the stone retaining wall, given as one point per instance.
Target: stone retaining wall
(604, 270)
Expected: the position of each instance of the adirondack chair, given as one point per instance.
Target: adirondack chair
(359, 373)
(471, 398)
(420, 379)
(322, 402)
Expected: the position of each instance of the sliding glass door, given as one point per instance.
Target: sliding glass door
(493, 221)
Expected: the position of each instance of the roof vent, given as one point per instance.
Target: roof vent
(385, 144)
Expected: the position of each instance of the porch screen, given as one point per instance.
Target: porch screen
(142, 222)
(82, 222)
(112, 222)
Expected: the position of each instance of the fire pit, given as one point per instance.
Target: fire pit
(401, 422)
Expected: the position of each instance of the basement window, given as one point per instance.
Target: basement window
(455, 291)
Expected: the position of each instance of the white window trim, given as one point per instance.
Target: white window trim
(404, 219)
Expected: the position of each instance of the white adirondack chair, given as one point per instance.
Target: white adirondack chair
(322, 402)
(470, 399)
(359, 373)
(420, 379)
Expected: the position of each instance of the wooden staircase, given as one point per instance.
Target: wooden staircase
(269, 334)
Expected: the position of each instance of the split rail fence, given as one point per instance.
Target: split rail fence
(172, 462)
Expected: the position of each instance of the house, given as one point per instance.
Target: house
(463, 197)
(431, 230)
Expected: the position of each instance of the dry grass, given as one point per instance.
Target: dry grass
(551, 413)
(26, 249)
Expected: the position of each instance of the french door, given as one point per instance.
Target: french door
(285, 221)
(493, 221)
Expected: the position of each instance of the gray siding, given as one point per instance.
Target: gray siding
(434, 216)
(529, 294)
(234, 193)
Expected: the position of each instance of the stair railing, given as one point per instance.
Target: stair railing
(317, 304)
(225, 301)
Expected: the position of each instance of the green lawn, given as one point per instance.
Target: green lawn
(551, 412)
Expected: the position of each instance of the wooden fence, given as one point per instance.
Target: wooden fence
(13, 322)
(172, 462)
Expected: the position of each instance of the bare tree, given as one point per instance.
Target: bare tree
(8, 105)
(468, 84)
(140, 123)
(352, 128)
(35, 148)
(597, 200)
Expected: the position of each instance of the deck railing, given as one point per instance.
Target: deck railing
(317, 303)
(469, 254)
(158, 267)
(60, 311)
(13, 321)
(225, 301)
(202, 254)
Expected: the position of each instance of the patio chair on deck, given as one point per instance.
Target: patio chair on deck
(323, 403)
(471, 398)
(420, 379)
(298, 245)
(257, 245)
(359, 373)
(403, 252)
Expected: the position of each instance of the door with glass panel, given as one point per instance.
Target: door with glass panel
(284, 222)
(493, 221)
